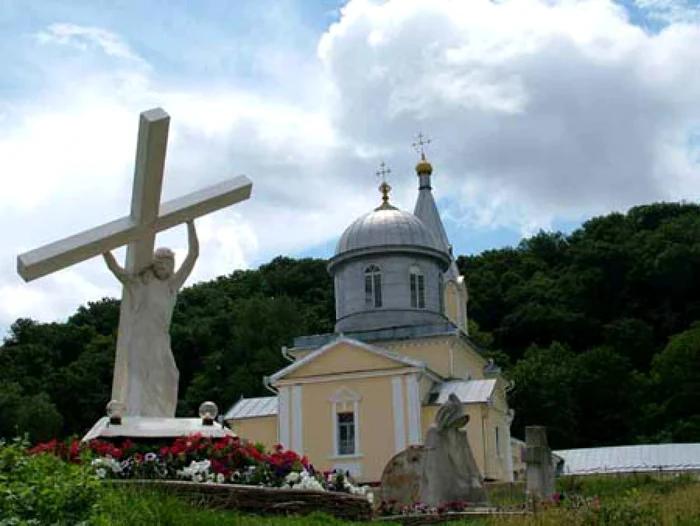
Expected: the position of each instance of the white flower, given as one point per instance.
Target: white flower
(292, 477)
(101, 473)
(370, 497)
(220, 478)
(197, 478)
(150, 457)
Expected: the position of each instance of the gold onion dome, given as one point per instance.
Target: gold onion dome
(424, 167)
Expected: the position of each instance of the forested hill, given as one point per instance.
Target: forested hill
(596, 329)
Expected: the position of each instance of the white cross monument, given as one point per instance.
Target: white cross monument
(145, 375)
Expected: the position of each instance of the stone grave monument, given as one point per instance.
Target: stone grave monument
(540, 474)
(144, 389)
(442, 470)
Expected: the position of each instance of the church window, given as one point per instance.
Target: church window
(498, 441)
(441, 294)
(346, 433)
(373, 286)
(417, 285)
(345, 422)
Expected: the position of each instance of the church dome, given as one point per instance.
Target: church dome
(386, 227)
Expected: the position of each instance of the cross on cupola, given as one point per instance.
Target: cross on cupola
(384, 187)
(422, 142)
(424, 169)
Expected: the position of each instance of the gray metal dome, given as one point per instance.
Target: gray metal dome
(386, 227)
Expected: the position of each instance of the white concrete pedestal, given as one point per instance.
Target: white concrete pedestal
(155, 427)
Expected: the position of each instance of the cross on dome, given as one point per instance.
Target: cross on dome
(383, 171)
(385, 187)
(422, 142)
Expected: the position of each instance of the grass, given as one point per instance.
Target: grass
(129, 506)
(634, 501)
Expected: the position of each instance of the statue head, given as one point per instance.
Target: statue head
(451, 414)
(163, 263)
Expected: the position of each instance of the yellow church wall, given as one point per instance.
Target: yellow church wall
(375, 426)
(466, 362)
(260, 429)
(344, 358)
(434, 352)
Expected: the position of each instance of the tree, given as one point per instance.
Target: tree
(544, 393)
(676, 371)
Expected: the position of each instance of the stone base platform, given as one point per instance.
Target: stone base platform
(149, 427)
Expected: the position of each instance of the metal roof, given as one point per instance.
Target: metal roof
(405, 332)
(252, 407)
(626, 459)
(468, 391)
(381, 228)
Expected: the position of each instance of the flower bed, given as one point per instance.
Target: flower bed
(235, 469)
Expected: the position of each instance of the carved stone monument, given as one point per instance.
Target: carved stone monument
(449, 471)
(145, 374)
(540, 474)
(442, 470)
(400, 483)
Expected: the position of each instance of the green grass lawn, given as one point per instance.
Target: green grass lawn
(642, 501)
(128, 506)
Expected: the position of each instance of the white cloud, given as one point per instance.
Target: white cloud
(540, 111)
(83, 38)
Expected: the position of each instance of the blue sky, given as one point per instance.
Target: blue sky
(544, 113)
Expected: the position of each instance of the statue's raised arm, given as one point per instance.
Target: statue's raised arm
(186, 269)
(119, 272)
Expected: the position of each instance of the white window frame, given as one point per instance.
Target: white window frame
(345, 400)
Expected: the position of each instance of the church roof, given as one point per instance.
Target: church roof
(252, 407)
(468, 391)
(426, 210)
(627, 459)
(386, 227)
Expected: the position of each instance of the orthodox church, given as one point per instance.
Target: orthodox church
(353, 399)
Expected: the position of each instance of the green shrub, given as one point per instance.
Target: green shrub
(43, 489)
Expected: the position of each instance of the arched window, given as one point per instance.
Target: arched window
(373, 286)
(417, 284)
(441, 293)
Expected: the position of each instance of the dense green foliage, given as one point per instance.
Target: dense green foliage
(43, 489)
(596, 329)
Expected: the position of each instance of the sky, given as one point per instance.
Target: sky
(543, 113)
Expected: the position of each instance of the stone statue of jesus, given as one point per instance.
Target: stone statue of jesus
(148, 382)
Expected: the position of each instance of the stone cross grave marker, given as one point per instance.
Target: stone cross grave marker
(540, 482)
(145, 375)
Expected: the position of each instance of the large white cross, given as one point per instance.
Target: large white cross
(133, 381)
(147, 216)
